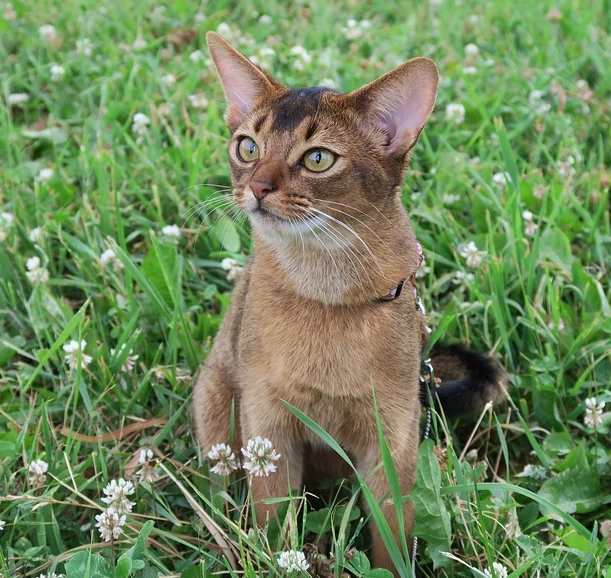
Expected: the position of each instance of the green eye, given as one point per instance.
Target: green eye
(248, 150)
(318, 160)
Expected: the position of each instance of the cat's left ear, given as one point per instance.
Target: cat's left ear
(400, 102)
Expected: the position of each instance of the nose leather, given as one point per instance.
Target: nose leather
(261, 188)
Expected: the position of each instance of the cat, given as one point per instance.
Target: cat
(317, 318)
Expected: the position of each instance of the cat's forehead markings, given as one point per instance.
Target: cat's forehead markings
(259, 122)
(293, 107)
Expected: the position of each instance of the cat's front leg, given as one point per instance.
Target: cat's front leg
(262, 422)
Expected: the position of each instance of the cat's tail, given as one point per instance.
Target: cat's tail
(469, 380)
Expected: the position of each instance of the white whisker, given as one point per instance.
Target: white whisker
(347, 227)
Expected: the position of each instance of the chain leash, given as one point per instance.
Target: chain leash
(427, 379)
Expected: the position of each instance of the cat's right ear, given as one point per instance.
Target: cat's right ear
(243, 82)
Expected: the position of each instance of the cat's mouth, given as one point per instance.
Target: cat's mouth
(267, 214)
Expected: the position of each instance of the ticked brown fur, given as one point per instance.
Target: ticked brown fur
(305, 325)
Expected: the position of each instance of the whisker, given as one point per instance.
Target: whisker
(342, 242)
(347, 227)
(381, 213)
(232, 221)
(211, 185)
(361, 222)
(345, 205)
(206, 206)
(305, 222)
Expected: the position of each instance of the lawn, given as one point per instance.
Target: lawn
(117, 261)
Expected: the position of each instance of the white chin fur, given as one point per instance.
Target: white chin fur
(282, 232)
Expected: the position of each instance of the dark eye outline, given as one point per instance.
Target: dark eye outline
(310, 151)
(237, 149)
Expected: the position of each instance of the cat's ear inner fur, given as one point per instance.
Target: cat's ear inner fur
(243, 82)
(400, 102)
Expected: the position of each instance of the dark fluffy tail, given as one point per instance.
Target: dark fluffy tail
(469, 380)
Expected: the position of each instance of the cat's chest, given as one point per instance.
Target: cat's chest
(294, 345)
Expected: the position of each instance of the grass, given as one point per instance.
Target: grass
(528, 487)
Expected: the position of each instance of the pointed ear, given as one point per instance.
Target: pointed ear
(400, 102)
(242, 81)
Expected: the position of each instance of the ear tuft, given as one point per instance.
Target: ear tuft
(243, 82)
(400, 102)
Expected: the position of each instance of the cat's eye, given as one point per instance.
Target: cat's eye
(248, 150)
(318, 160)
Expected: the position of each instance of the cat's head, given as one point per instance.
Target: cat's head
(308, 158)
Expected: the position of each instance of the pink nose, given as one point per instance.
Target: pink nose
(261, 188)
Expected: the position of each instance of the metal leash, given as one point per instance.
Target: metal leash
(427, 379)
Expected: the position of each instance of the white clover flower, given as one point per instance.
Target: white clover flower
(6, 223)
(265, 19)
(48, 33)
(17, 98)
(469, 70)
(226, 460)
(530, 227)
(171, 233)
(72, 349)
(472, 254)
(260, 455)
(9, 12)
(140, 122)
(566, 168)
(500, 179)
(57, 72)
(52, 575)
(471, 51)
(198, 100)
(196, 56)
(168, 79)
(199, 18)
(594, 412)
(145, 456)
(302, 57)
(44, 175)
(2, 524)
(139, 44)
(536, 102)
(329, 83)
(225, 30)
(109, 259)
(462, 278)
(500, 571)
(455, 113)
(147, 473)
(538, 473)
(110, 525)
(35, 235)
(117, 493)
(351, 31)
(84, 47)
(38, 473)
(35, 272)
(293, 561)
(449, 199)
(130, 360)
(233, 268)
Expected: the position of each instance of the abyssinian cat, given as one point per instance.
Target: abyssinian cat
(314, 319)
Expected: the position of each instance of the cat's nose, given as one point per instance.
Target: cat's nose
(261, 188)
